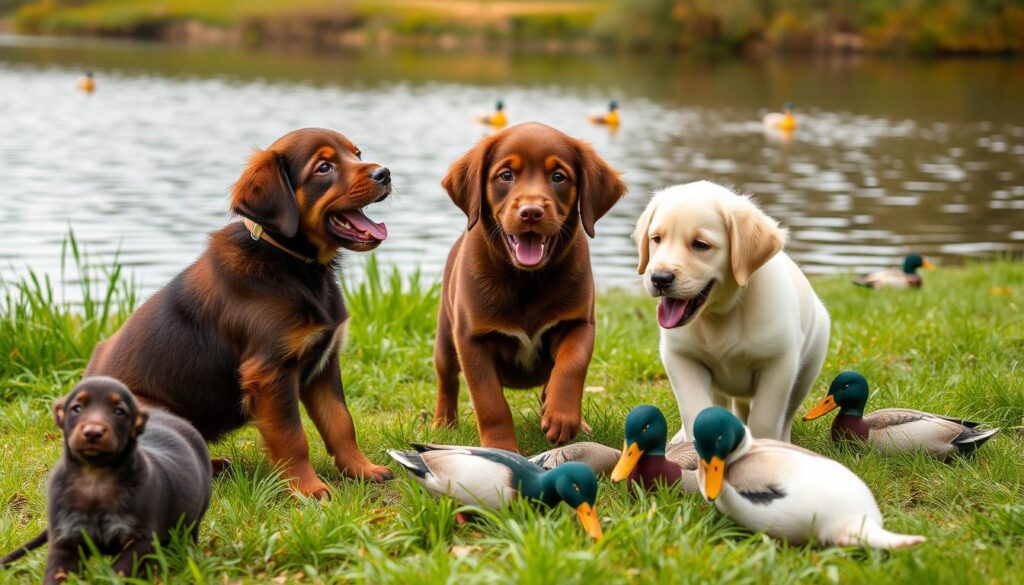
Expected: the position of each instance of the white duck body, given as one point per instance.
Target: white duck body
(461, 474)
(795, 494)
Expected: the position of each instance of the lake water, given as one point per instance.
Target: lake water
(891, 156)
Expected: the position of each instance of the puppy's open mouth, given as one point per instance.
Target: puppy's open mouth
(353, 225)
(529, 248)
(674, 313)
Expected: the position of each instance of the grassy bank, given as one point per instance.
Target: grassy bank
(897, 26)
(953, 347)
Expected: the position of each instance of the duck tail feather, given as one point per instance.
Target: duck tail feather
(871, 534)
(972, 438)
(410, 460)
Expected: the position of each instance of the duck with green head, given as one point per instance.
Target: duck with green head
(498, 118)
(786, 491)
(906, 278)
(609, 119)
(646, 460)
(491, 477)
(895, 429)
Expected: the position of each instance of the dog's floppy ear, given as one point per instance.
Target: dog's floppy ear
(599, 186)
(754, 238)
(466, 177)
(58, 411)
(641, 237)
(141, 417)
(263, 194)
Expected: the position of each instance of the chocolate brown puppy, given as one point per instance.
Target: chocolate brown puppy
(256, 324)
(517, 304)
(128, 475)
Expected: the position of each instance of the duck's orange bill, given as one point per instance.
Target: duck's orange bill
(630, 455)
(824, 407)
(589, 520)
(714, 472)
(926, 264)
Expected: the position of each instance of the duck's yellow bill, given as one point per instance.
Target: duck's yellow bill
(627, 461)
(926, 264)
(589, 520)
(824, 407)
(714, 473)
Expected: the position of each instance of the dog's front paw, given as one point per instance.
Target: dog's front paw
(560, 427)
(313, 488)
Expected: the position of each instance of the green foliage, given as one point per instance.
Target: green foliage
(953, 347)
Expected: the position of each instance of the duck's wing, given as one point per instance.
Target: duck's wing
(883, 279)
(762, 474)
(684, 455)
(600, 458)
(465, 474)
(908, 430)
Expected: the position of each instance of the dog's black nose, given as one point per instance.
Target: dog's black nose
(662, 278)
(381, 174)
(94, 432)
(531, 213)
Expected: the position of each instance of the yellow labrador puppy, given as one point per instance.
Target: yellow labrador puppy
(740, 324)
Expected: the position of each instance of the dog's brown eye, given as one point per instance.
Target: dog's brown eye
(119, 411)
(76, 408)
(359, 154)
(558, 177)
(656, 239)
(506, 176)
(700, 245)
(324, 168)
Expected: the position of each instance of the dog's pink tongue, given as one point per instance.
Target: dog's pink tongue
(529, 249)
(377, 231)
(671, 311)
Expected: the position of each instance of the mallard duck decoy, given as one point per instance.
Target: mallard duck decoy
(906, 278)
(610, 119)
(895, 429)
(87, 82)
(600, 458)
(785, 121)
(645, 458)
(491, 477)
(498, 118)
(784, 490)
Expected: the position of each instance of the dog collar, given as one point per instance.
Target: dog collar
(257, 233)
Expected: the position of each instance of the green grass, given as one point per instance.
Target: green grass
(953, 347)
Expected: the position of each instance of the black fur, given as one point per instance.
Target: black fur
(127, 476)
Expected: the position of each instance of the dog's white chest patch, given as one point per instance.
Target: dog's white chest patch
(529, 347)
(337, 343)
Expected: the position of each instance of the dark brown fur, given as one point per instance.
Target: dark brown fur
(487, 294)
(128, 476)
(247, 331)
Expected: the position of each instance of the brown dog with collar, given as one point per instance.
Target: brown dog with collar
(255, 325)
(517, 304)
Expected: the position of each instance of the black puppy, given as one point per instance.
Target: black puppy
(116, 484)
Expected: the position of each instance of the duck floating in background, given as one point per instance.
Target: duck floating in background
(784, 490)
(491, 477)
(645, 458)
(87, 82)
(497, 119)
(600, 458)
(906, 278)
(785, 121)
(609, 119)
(895, 429)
